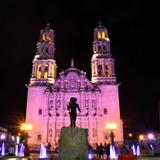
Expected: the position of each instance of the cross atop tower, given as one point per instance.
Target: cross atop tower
(72, 63)
(99, 23)
(47, 26)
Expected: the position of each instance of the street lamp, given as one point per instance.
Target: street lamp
(141, 137)
(111, 127)
(130, 135)
(25, 127)
(151, 136)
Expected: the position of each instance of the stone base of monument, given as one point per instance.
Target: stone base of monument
(73, 144)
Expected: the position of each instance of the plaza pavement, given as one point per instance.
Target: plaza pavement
(35, 158)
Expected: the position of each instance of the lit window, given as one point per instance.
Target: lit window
(103, 35)
(43, 37)
(107, 73)
(40, 112)
(99, 35)
(46, 71)
(48, 38)
(39, 71)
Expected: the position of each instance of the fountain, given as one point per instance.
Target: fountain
(43, 152)
(3, 149)
(134, 150)
(138, 150)
(16, 150)
(152, 149)
(112, 152)
(21, 152)
(90, 155)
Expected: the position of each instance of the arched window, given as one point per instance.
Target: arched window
(40, 112)
(48, 38)
(43, 37)
(103, 35)
(39, 71)
(99, 35)
(105, 110)
(39, 137)
(99, 70)
(46, 71)
(107, 73)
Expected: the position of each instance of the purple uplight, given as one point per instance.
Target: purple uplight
(3, 136)
(151, 136)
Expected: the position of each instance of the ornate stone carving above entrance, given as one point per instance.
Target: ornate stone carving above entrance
(74, 80)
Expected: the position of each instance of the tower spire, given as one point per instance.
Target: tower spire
(45, 45)
(102, 61)
(44, 64)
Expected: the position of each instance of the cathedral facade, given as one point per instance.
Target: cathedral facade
(49, 95)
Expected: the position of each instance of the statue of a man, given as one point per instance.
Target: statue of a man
(72, 107)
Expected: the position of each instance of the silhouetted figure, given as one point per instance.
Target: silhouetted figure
(97, 154)
(156, 150)
(100, 151)
(49, 146)
(27, 151)
(72, 107)
(107, 148)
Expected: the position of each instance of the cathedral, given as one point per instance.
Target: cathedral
(49, 94)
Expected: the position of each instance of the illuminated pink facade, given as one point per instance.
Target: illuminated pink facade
(48, 95)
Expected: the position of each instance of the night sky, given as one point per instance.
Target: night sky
(131, 31)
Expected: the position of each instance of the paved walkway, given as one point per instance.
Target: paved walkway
(35, 157)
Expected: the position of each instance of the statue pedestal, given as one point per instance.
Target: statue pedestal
(73, 144)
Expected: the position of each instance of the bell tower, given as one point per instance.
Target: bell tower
(44, 64)
(102, 63)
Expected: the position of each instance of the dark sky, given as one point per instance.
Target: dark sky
(131, 30)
